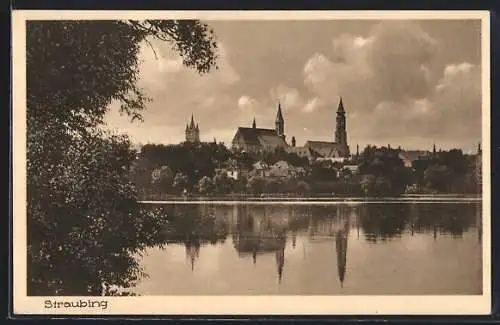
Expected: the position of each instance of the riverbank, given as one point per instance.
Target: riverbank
(324, 199)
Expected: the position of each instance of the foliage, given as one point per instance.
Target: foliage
(272, 157)
(205, 185)
(180, 182)
(222, 183)
(449, 171)
(323, 171)
(193, 160)
(162, 178)
(83, 216)
(303, 187)
(384, 170)
(87, 219)
(256, 184)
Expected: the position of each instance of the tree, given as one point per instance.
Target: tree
(256, 184)
(438, 177)
(162, 178)
(83, 215)
(205, 185)
(88, 206)
(387, 169)
(222, 183)
(180, 182)
(368, 184)
(303, 187)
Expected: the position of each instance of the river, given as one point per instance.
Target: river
(316, 248)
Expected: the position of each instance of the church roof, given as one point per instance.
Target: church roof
(324, 148)
(302, 151)
(412, 155)
(264, 137)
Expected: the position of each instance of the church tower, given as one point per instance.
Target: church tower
(340, 130)
(280, 122)
(192, 131)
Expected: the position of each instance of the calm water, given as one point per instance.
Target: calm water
(315, 249)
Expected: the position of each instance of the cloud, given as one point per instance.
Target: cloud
(311, 105)
(289, 98)
(248, 104)
(389, 76)
(405, 82)
(177, 92)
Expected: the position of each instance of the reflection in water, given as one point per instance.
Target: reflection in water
(341, 246)
(258, 232)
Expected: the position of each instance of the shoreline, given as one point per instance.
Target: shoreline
(445, 198)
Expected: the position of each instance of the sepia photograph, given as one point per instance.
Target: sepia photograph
(251, 162)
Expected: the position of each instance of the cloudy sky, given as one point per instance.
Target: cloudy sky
(407, 83)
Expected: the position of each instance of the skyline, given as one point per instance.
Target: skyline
(405, 83)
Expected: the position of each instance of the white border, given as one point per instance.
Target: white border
(243, 305)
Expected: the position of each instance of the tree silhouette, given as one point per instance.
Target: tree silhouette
(84, 221)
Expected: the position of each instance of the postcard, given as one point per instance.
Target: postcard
(251, 162)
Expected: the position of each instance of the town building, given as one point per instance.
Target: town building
(253, 139)
(336, 150)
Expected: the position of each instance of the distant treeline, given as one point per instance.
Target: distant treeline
(212, 169)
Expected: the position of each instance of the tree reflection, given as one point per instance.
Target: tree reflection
(383, 221)
(446, 219)
(387, 221)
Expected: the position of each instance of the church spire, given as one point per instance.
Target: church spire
(279, 116)
(192, 121)
(280, 122)
(340, 129)
(479, 150)
(341, 105)
(254, 125)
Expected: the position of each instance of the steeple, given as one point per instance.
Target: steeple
(434, 149)
(280, 122)
(192, 131)
(479, 150)
(254, 125)
(341, 105)
(340, 130)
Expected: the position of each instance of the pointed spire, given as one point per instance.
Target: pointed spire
(357, 150)
(434, 149)
(254, 125)
(341, 105)
(279, 116)
(197, 128)
(479, 150)
(192, 121)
